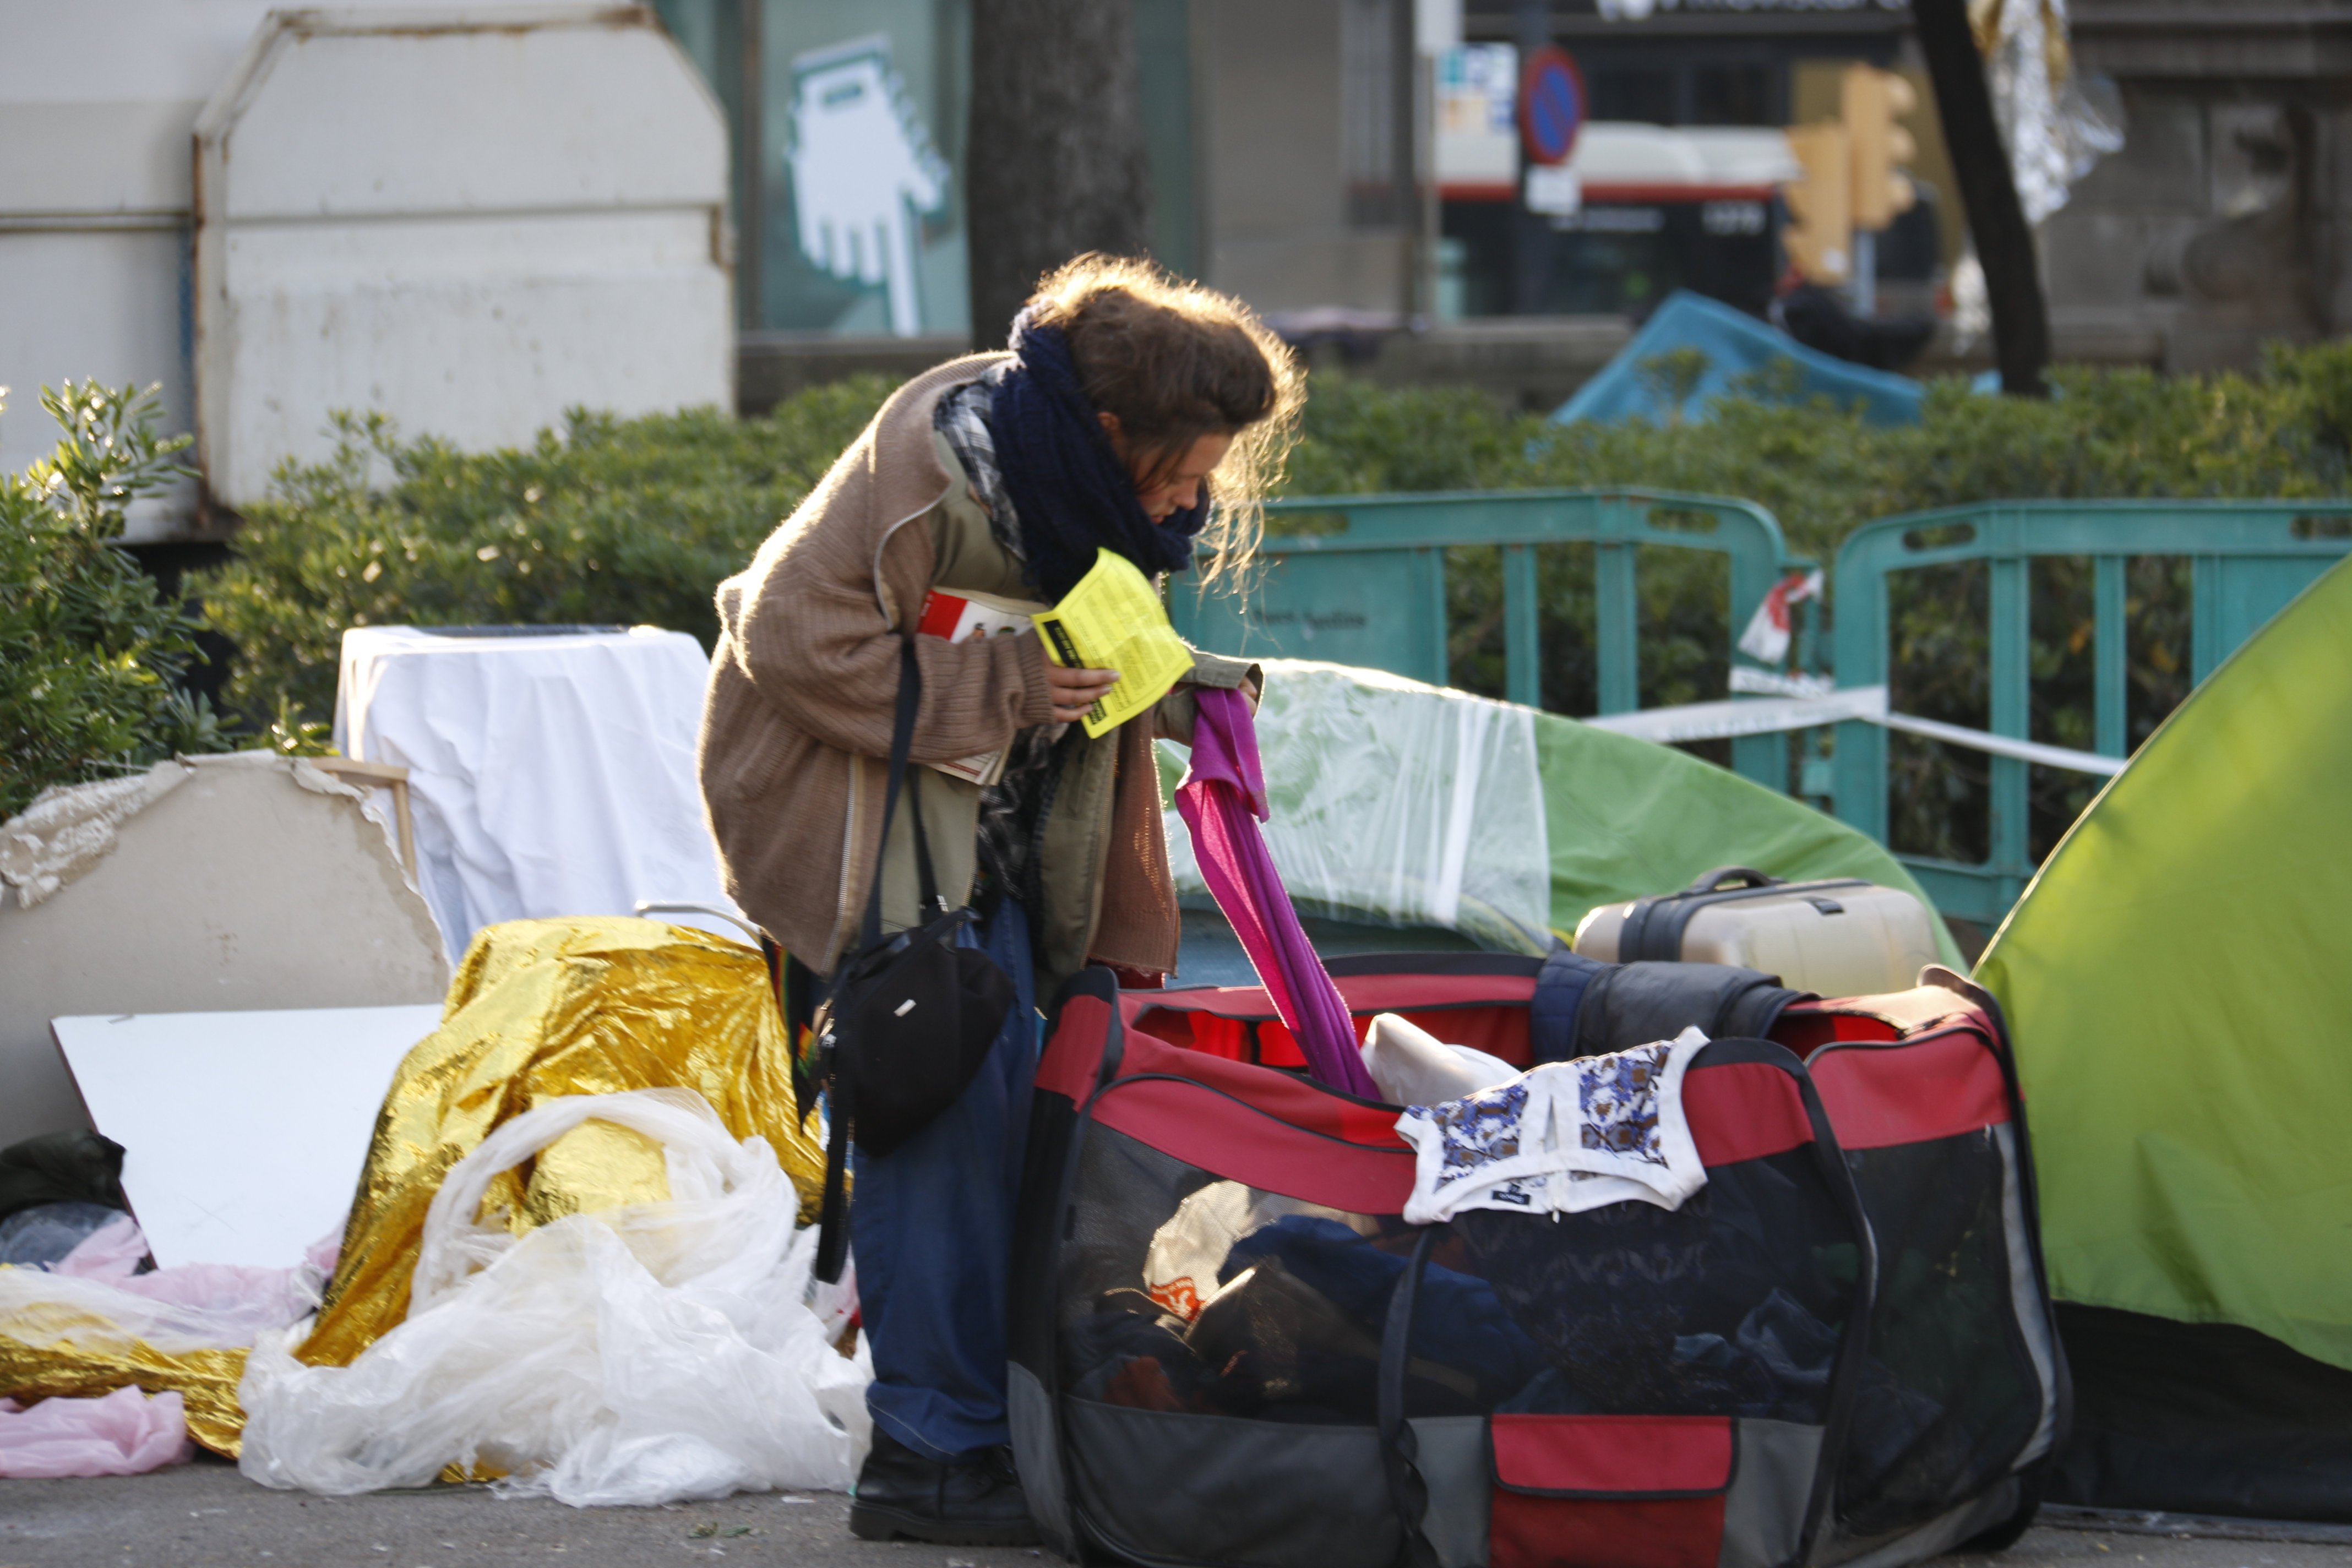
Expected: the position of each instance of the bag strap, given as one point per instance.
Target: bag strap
(833, 1213)
(902, 741)
(841, 1113)
(1654, 930)
(1408, 1493)
(933, 903)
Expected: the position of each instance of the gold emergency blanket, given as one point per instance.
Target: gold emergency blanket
(541, 1009)
(206, 1381)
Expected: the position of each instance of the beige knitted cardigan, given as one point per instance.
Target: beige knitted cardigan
(796, 723)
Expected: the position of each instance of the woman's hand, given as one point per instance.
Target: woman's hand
(1076, 690)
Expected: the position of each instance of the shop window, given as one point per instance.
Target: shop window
(1628, 93)
(861, 227)
(847, 120)
(1733, 95)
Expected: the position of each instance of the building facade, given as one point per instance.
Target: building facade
(2226, 220)
(1297, 148)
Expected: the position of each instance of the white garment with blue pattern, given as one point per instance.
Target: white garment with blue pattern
(1562, 1138)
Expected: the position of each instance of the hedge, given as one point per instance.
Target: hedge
(635, 520)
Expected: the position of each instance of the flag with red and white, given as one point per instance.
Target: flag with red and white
(1766, 639)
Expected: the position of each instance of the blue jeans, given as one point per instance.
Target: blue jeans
(930, 1227)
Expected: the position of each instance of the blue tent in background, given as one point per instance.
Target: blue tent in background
(1735, 343)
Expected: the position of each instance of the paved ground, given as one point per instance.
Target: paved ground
(205, 1515)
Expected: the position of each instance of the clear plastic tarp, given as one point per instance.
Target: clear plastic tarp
(1398, 804)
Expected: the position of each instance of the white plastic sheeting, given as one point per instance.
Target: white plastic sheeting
(2056, 126)
(637, 1355)
(1399, 803)
(93, 1300)
(548, 774)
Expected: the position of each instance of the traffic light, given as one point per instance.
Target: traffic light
(1872, 100)
(1819, 243)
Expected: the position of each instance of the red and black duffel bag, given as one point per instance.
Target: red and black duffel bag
(1228, 1348)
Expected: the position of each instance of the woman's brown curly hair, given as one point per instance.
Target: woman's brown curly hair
(1173, 362)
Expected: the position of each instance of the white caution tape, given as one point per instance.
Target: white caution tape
(2003, 746)
(1773, 715)
(1753, 716)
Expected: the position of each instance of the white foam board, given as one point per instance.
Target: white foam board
(245, 1132)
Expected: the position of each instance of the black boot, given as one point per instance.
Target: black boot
(900, 1493)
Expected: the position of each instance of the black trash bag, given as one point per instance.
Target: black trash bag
(77, 1167)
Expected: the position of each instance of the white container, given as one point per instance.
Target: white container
(1841, 938)
(469, 220)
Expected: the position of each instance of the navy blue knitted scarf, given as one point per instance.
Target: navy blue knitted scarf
(1069, 489)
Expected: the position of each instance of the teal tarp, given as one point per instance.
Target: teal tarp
(1735, 343)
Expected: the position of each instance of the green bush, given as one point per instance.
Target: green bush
(636, 520)
(1822, 471)
(89, 653)
(607, 522)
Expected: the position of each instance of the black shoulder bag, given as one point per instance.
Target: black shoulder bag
(908, 1018)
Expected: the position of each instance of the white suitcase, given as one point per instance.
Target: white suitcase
(1840, 938)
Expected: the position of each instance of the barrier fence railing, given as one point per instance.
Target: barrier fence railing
(1362, 579)
(2248, 559)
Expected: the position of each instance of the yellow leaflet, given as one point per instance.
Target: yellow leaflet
(1113, 620)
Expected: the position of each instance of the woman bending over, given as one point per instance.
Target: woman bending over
(1134, 413)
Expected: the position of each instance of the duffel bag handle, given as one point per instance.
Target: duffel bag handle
(1724, 877)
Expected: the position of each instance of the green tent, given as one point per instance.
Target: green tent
(1400, 808)
(1627, 817)
(2177, 982)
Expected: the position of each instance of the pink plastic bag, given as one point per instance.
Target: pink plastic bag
(110, 1252)
(124, 1433)
(235, 1301)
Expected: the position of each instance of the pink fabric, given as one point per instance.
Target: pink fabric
(1223, 800)
(111, 1253)
(238, 1301)
(124, 1433)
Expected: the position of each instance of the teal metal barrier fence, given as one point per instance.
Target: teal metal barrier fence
(1362, 579)
(2248, 558)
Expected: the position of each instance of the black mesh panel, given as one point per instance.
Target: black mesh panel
(1948, 1395)
(1734, 1304)
(1182, 1292)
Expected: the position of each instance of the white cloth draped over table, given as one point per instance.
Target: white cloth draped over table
(550, 774)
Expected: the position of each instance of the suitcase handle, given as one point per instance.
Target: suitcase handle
(1732, 876)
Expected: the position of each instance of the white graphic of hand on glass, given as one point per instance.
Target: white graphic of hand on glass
(863, 170)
